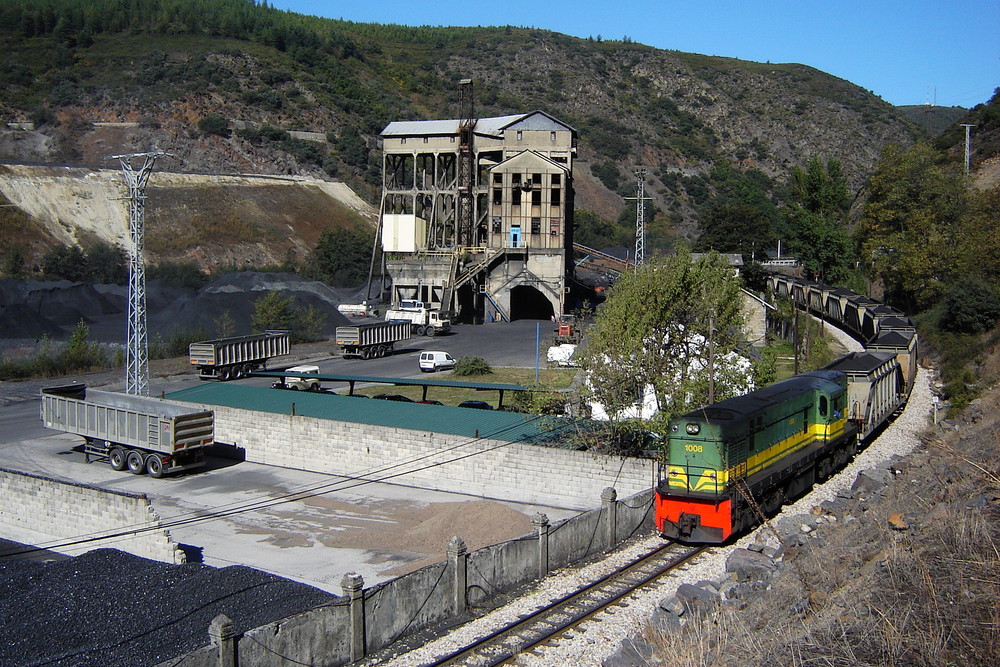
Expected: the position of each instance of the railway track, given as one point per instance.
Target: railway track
(545, 624)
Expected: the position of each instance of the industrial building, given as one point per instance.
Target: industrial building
(477, 214)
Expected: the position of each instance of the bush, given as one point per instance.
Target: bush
(472, 366)
(971, 306)
(214, 124)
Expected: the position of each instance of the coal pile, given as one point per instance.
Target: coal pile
(31, 309)
(108, 607)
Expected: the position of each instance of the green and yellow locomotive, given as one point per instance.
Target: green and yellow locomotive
(729, 462)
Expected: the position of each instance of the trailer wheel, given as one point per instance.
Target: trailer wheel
(430, 331)
(420, 330)
(225, 375)
(154, 466)
(134, 461)
(366, 354)
(237, 372)
(116, 458)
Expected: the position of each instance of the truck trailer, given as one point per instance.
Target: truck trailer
(373, 340)
(139, 433)
(232, 358)
(423, 321)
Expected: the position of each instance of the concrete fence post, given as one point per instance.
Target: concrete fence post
(222, 634)
(458, 561)
(541, 523)
(609, 498)
(354, 586)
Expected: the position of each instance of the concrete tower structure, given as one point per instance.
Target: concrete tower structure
(477, 214)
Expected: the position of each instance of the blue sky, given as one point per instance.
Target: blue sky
(912, 52)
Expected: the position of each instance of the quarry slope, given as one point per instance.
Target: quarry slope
(211, 219)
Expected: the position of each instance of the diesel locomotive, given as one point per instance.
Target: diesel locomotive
(729, 463)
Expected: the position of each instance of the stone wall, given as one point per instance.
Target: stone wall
(42, 511)
(488, 468)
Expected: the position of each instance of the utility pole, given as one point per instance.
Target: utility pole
(137, 350)
(968, 145)
(640, 216)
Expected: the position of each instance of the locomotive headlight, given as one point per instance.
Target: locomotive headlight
(692, 429)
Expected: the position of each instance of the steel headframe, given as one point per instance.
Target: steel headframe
(137, 350)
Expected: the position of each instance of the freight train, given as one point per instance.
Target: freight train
(729, 463)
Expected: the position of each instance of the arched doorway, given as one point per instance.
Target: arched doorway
(527, 303)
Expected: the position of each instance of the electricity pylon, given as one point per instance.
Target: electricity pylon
(137, 351)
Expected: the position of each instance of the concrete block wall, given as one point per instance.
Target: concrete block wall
(487, 468)
(39, 510)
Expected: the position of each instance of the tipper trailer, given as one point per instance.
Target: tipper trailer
(139, 433)
(232, 358)
(373, 340)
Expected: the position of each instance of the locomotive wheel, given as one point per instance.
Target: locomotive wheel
(154, 466)
(136, 464)
(116, 458)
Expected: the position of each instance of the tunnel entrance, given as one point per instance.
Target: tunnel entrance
(527, 303)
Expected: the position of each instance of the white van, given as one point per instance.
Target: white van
(435, 361)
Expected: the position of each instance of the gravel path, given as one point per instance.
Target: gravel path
(594, 642)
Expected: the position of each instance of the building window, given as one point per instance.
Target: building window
(520, 135)
(536, 225)
(515, 179)
(556, 197)
(536, 197)
(426, 139)
(496, 224)
(498, 178)
(554, 226)
(552, 136)
(536, 179)
(402, 141)
(556, 179)
(497, 196)
(517, 197)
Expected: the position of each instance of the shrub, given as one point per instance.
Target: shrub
(472, 366)
(971, 306)
(214, 124)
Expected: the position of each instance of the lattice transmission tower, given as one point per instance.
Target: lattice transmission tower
(137, 351)
(640, 215)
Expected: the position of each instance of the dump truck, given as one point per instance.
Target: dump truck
(137, 433)
(423, 321)
(373, 340)
(233, 358)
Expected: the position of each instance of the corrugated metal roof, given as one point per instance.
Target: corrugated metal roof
(372, 379)
(466, 422)
(416, 128)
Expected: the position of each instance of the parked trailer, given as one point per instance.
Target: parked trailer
(136, 432)
(232, 358)
(362, 309)
(373, 340)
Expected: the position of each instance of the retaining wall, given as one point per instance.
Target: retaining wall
(364, 621)
(40, 510)
(488, 468)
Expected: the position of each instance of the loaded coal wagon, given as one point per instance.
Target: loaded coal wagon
(140, 433)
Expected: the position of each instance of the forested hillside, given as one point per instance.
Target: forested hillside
(224, 85)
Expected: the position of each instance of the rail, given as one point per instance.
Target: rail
(571, 610)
